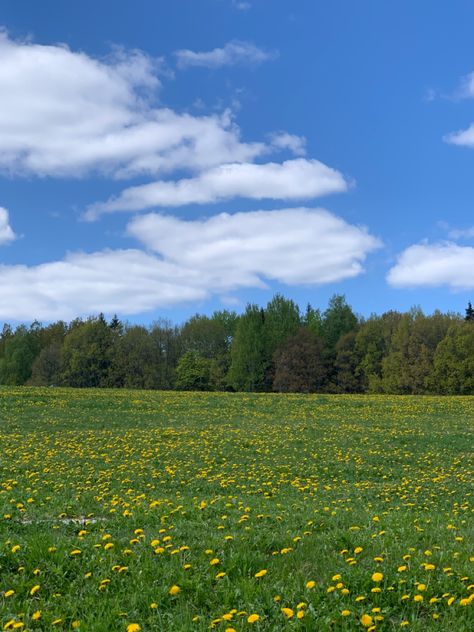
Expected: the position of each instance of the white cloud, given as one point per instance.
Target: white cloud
(6, 231)
(242, 5)
(293, 246)
(232, 54)
(462, 137)
(283, 140)
(291, 180)
(64, 113)
(189, 261)
(123, 281)
(461, 233)
(434, 265)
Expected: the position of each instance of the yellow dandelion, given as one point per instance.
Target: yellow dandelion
(366, 620)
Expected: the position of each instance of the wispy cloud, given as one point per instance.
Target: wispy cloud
(232, 54)
(463, 137)
(461, 233)
(242, 5)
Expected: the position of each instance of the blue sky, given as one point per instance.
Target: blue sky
(158, 159)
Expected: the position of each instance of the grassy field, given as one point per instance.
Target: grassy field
(132, 510)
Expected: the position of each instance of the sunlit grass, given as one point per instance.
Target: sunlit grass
(131, 510)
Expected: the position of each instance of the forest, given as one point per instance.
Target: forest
(276, 348)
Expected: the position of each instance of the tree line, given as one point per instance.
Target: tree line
(276, 348)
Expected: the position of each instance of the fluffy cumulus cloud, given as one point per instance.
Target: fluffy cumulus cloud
(434, 265)
(232, 54)
(6, 231)
(66, 113)
(189, 261)
(463, 137)
(124, 281)
(291, 180)
(293, 246)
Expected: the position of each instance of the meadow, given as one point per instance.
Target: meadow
(137, 510)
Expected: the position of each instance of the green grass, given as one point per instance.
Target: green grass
(284, 483)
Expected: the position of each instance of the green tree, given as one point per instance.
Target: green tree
(372, 344)
(193, 372)
(408, 365)
(47, 367)
(347, 379)
(453, 364)
(134, 360)
(19, 353)
(86, 353)
(299, 364)
(282, 320)
(248, 362)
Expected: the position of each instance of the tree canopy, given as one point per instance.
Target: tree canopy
(276, 347)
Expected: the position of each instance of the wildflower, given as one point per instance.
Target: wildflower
(34, 589)
(288, 612)
(366, 620)
(174, 590)
(346, 613)
(214, 561)
(377, 577)
(253, 618)
(310, 584)
(261, 573)
(133, 627)
(36, 615)
(9, 593)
